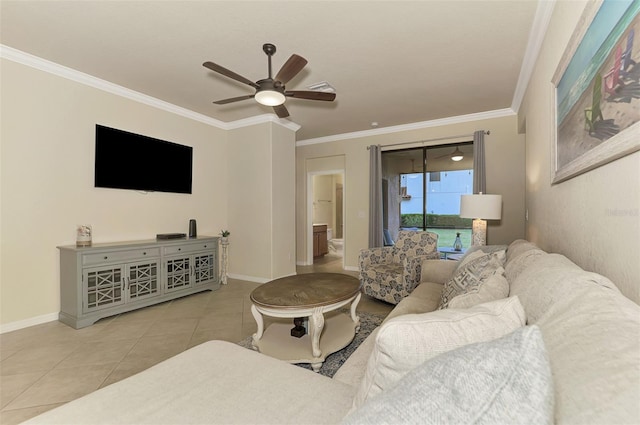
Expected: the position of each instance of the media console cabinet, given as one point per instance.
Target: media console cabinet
(112, 278)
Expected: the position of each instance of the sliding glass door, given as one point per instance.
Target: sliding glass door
(422, 191)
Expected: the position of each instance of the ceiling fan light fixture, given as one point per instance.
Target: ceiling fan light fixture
(270, 97)
(457, 155)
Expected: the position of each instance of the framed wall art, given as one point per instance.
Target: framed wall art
(597, 90)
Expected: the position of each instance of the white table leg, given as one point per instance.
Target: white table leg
(354, 317)
(316, 324)
(260, 322)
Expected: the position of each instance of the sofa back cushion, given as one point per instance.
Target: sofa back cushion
(407, 341)
(414, 244)
(591, 332)
(520, 255)
(518, 247)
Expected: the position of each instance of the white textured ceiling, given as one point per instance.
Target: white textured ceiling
(392, 62)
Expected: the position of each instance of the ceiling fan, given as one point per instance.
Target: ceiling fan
(271, 91)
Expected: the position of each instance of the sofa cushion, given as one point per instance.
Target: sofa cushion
(494, 287)
(471, 274)
(519, 263)
(405, 342)
(438, 271)
(550, 278)
(352, 370)
(518, 247)
(423, 299)
(504, 381)
(591, 333)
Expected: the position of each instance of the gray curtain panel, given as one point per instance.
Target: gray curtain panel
(375, 196)
(479, 171)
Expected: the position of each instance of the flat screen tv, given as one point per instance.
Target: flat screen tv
(130, 161)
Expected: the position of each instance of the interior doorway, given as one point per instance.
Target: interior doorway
(325, 206)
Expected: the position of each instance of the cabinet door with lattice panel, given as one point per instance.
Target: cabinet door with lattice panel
(178, 274)
(143, 280)
(204, 268)
(103, 287)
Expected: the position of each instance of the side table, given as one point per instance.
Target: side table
(447, 253)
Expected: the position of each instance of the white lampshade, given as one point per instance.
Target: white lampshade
(487, 207)
(270, 97)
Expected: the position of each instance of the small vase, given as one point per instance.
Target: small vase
(224, 240)
(83, 235)
(457, 244)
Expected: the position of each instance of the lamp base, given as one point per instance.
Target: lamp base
(479, 232)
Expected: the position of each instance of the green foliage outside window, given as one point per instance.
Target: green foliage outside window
(445, 221)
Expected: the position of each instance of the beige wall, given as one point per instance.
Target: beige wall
(594, 218)
(505, 175)
(47, 151)
(260, 203)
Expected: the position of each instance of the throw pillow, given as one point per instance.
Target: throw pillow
(504, 381)
(407, 341)
(470, 275)
(494, 287)
(486, 249)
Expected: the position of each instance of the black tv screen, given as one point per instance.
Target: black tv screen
(130, 161)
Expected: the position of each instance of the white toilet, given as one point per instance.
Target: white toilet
(335, 245)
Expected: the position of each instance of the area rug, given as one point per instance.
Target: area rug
(368, 322)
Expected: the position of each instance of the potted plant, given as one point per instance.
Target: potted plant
(224, 236)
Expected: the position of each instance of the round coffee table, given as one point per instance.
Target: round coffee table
(314, 297)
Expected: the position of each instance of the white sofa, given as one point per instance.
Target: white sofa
(591, 336)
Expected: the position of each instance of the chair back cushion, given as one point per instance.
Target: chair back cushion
(412, 244)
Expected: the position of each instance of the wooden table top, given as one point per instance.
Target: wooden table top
(306, 290)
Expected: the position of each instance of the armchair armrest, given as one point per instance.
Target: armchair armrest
(413, 268)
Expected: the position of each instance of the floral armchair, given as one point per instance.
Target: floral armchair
(390, 273)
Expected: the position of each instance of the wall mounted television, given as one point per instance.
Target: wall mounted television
(131, 161)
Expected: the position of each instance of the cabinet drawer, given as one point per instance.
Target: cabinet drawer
(118, 256)
(319, 228)
(181, 249)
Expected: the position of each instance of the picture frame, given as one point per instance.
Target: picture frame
(596, 90)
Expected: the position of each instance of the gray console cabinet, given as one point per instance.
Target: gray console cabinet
(112, 278)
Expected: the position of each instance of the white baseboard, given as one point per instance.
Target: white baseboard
(21, 324)
(248, 278)
(352, 268)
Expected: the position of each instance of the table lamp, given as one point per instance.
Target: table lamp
(481, 208)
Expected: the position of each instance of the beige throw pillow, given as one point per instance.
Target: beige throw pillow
(407, 341)
(470, 275)
(495, 287)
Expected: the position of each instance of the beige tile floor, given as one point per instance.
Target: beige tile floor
(47, 365)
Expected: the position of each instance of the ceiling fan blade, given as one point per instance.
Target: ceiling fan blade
(311, 95)
(291, 68)
(224, 71)
(281, 111)
(233, 99)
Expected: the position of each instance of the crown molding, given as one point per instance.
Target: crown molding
(536, 37)
(259, 119)
(498, 113)
(53, 68)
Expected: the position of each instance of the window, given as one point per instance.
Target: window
(423, 191)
